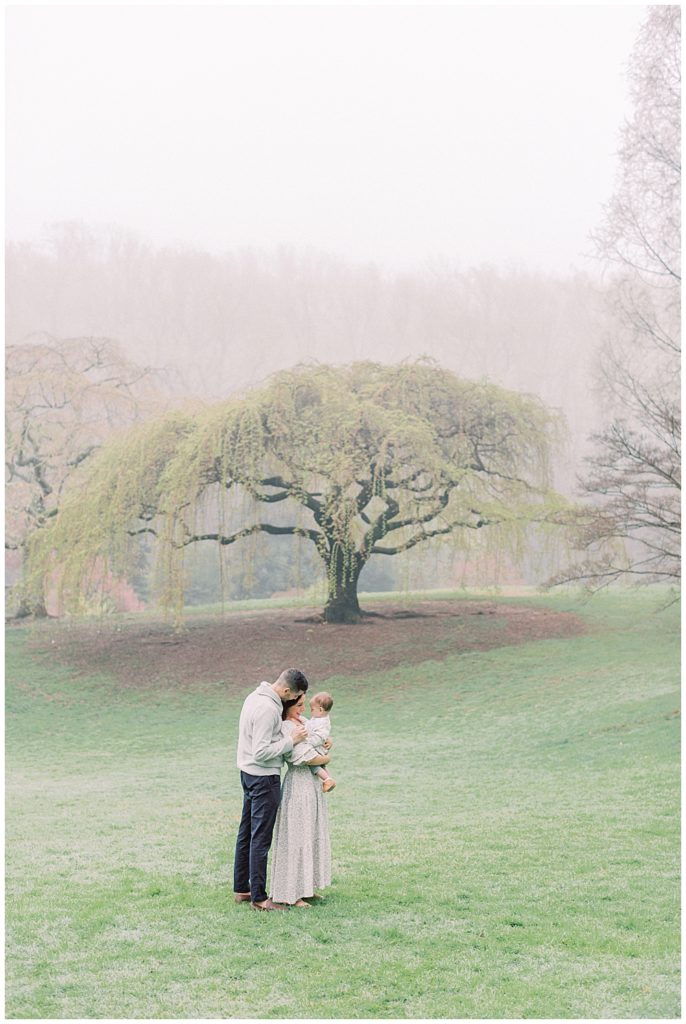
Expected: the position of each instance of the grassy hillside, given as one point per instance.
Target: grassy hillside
(505, 838)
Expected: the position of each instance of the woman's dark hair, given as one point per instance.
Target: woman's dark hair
(287, 704)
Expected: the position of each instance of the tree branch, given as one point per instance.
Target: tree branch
(225, 539)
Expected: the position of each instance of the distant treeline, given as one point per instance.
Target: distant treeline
(225, 322)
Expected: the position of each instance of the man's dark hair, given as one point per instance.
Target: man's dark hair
(295, 680)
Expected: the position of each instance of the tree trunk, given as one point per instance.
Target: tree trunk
(342, 604)
(31, 596)
(31, 609)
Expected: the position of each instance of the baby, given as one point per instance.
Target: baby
(318, 729)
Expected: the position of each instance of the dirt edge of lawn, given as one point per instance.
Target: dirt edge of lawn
(238, 650)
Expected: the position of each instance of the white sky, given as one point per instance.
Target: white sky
(392, 134)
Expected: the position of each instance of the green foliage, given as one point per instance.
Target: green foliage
(124, 481)
(361, 459)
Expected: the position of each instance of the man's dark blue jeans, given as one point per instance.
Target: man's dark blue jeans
(261, 796)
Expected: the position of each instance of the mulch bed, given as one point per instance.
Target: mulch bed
(241, 649)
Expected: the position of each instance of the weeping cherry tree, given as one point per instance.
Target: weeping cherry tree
(364, 459)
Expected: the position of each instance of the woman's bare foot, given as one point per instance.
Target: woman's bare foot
(269, 904)
(314, 896)
(300, 903)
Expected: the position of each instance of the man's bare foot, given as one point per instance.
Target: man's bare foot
(268, 904)
(328, 784)
(241, 897)
(300, 903)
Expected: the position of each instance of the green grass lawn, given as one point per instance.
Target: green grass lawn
(505, 836)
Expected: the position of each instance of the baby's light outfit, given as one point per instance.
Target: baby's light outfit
(318, 730)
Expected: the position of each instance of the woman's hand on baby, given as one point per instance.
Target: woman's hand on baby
(328, 743)
(299, 734)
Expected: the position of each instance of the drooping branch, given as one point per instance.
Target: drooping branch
(440, 502)
(427, 534)
(289, 489)
(278, 531)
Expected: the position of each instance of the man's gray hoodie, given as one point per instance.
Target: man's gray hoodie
(261, 744)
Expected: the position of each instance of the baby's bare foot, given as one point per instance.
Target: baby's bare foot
(328, 784)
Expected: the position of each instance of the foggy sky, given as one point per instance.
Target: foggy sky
(391, 134)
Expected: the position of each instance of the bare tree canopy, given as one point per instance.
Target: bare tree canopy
(633, 531)
(359, 460)
(63, 398)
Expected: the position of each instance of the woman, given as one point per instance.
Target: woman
(301, 851)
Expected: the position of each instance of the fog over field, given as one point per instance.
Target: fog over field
(231, 190)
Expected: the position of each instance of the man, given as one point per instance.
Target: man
(261, 749)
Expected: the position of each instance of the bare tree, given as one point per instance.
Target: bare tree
(633, 529)
(63, 398)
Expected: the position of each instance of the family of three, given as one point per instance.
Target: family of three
(271, 731)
